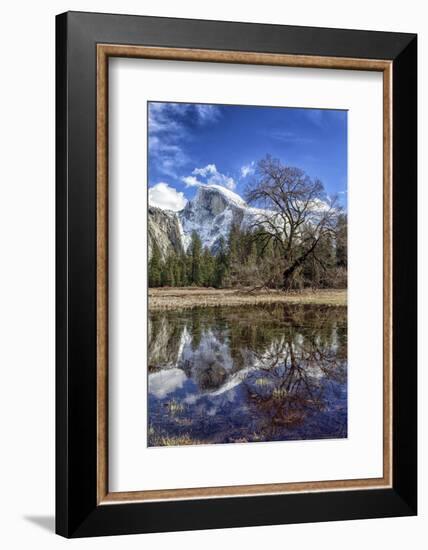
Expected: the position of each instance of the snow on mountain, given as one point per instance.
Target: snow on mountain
(211, 213)
(232, 197)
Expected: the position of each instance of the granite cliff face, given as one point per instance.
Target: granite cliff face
(164, 229)
(211, 213)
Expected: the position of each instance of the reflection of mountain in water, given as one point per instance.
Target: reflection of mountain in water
(246, 374)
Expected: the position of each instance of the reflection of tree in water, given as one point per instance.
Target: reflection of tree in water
(164, 340)
(320, 329)
(289, 363)
(298, 372)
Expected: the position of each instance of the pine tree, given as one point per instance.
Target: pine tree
(155, 267)
(183, 270)
(236, 253)
(252, 254)
(167, 275)
(234, 244)
(178, 275)
(188, 266)
(342, 242)
(221, 264)
(207, 267)
(196, 248)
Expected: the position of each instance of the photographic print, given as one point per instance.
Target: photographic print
(247, 274)
(204, 306)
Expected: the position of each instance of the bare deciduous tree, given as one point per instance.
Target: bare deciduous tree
(298, 214)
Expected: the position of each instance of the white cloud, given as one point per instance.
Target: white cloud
(191, 181)
(208, 170)
(248, 169)
(166, 197)
(211, 175)
(165, 117)
(165, 131)
(170, 127)
(207, 113)
(168, 156)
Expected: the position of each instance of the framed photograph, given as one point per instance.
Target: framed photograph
(236, 274)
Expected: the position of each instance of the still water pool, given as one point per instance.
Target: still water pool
(245, 374)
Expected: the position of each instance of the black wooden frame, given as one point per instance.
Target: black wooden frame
(77, 513)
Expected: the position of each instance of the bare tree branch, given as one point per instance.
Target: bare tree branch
(298, 214)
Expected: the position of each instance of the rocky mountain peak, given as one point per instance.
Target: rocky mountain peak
(212, 196)
(207, 200)
(164, 229)
(211, 213)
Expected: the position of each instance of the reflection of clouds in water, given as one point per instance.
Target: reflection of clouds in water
(190, 399)
(166, 381)
(260, 374)
(212, 351)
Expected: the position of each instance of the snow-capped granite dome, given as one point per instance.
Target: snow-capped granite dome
(211, 213)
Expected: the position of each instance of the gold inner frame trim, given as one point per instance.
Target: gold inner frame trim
(104, 51)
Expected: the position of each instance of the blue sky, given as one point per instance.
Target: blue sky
(196, 144)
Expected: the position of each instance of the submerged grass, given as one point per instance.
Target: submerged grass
(175, 407)
(279, 393)
(191, 297)
(171, 441)
(263, 382)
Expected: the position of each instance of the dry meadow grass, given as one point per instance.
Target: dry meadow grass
(190, 297)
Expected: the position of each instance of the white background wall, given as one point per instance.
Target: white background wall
(27, 89)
